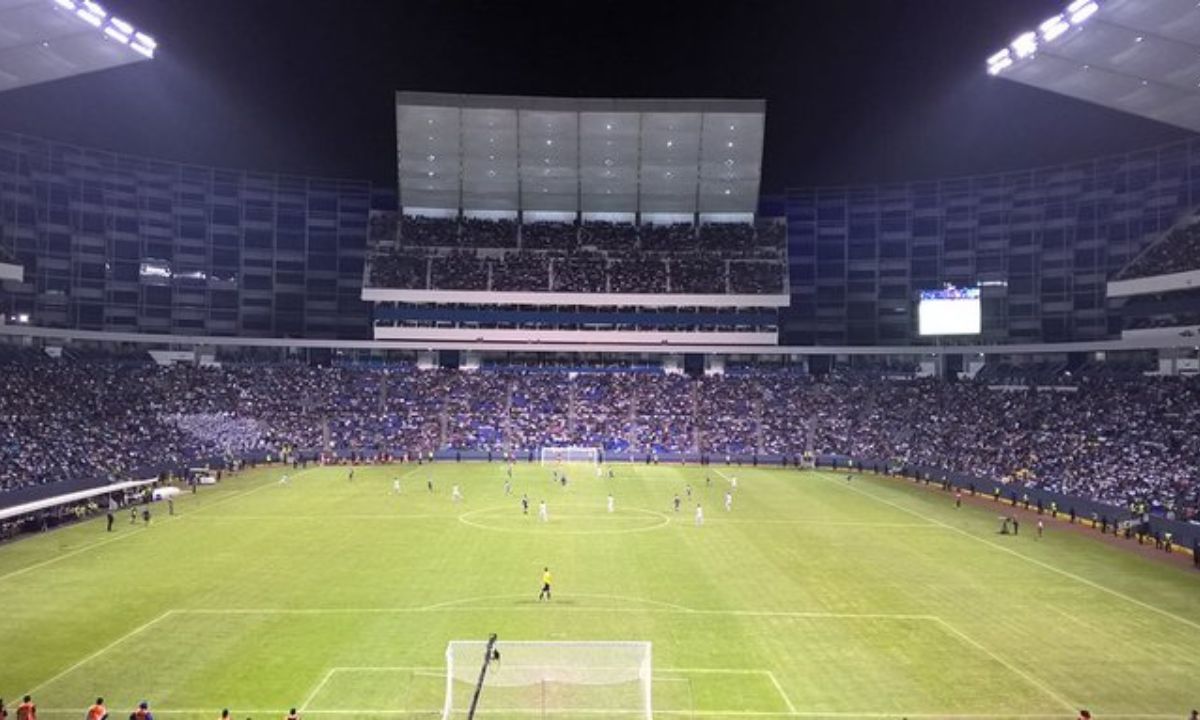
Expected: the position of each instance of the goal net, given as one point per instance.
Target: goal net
(571, 454)
(539, 679)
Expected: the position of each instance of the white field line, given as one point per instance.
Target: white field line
(779, 688)
(1045, 565)
(701, 713)
(101, 651)
(561, 608)
(316, 689)
(1027, 677)
(73, 553)
(129, 533)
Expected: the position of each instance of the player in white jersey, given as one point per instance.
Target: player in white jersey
(283, 480)
(733, 482)
(728, 501)
(396, 486)
(699, 515)
(610, 502)
(455, 494)
(508, 487)
(543, 514)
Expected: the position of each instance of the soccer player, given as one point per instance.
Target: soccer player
(699, 515)
(224, 714)
(111, 518)
(707, 481)
(563, 480)
(132, 515)
(283, 480)
(429, 483)
(676, 503)
(27, 710)
(3, 710)
(733, 482)
(508, 487)
(688, 490)
(142, 712)
(97, 711)
(599, 471)
(293, 715)
(146, 514)
(524, 504)
(958, 498)
(455, 494)
(728, 501)
(1040, 528)
(350, 477)
(545, 593)
(396, 486)
(610, 473)
(610, 502)
(543, 514)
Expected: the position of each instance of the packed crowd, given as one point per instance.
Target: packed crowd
(1178, 252)
(475, 254)
(1111, 437)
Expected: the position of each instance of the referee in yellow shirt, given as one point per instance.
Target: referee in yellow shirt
(545, 593)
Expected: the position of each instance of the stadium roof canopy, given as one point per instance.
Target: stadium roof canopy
(568, 155)
(1136, 56)
(43, 40)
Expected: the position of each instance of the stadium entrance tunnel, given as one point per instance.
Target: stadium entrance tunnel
(566, 519)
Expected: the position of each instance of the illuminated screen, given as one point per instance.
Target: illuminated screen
(950, 311)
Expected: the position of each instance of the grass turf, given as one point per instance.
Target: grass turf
(814, 597)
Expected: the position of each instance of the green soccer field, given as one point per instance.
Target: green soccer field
(813, 597)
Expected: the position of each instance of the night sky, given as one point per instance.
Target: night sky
(857, 91)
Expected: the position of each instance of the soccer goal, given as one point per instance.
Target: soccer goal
(570, 454)
(525, 679)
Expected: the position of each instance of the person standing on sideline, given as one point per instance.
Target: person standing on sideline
(27, 710)
(142, 712)
(1040, 528)
(958, 498)
(97, 711)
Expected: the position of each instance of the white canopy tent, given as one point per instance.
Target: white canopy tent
(551, 157)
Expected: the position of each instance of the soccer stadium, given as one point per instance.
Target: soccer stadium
(456, 360)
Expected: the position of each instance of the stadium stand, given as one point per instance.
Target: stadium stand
(1178, 251)
(595, 257)
(1113, 437)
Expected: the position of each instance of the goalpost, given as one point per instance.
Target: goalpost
(536, 679)
(569, 454)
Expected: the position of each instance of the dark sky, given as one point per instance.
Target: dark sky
(856, 90)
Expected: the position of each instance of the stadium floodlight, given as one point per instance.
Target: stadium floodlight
(1025, 44)
(112, 32)
(122, 26)
(144, 44)
(1081, 10)
(93, 20)
(999, 61)
(65, 4)
(1054, 28)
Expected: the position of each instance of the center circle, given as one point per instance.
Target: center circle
(565, 519)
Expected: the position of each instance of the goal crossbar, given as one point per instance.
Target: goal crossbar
(569, 454)
(541, 677)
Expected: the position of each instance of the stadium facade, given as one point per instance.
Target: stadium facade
(120, 243)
